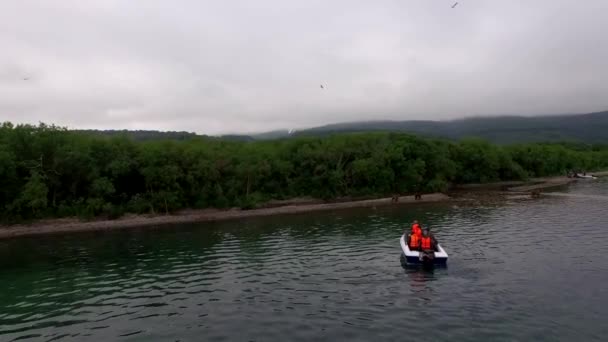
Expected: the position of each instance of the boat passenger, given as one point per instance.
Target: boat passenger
(414, 242)
(426, 242)
(416, 229)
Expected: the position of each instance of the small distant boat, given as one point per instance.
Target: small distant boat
(439, 257)
(585, 176)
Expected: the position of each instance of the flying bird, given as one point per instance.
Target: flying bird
(26, 78)
(454, 5)
(322, 87)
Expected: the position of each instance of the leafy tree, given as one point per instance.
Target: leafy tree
(48, 171)
(34, 195)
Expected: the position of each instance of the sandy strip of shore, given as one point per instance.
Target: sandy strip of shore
(276, 208)
(191, 216)
(526, 186)
(544, 184)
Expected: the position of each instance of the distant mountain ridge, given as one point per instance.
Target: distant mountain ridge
(588, 128)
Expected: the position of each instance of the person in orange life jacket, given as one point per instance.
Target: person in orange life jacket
(427, 242)
(416, 228)
(414, 242)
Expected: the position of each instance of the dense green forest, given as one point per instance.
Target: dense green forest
(141, 135)
(48, 171)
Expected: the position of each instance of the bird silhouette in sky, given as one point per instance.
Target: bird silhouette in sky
(454, 5)
(322, 87)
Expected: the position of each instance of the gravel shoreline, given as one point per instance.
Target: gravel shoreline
(191, 216)
(66, 225)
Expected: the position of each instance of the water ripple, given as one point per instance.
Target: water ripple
(516, 270)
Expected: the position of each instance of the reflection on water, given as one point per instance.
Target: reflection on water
(523, 270)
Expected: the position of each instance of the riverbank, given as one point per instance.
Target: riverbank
(517, 186)
(544, 184)
(479, 192)
(533, 184)
(205, 215)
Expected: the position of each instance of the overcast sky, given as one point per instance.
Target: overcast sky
(249, 66)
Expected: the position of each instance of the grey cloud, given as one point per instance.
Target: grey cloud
(246, 66)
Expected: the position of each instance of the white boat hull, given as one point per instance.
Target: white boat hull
(414, 257)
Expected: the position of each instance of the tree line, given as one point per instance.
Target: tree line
(49, 171)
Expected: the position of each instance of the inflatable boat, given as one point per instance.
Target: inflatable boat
(439, 257)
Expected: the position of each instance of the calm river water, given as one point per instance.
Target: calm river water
(524, 270)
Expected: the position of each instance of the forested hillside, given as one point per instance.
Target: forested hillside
(589, 128)
(47, 171)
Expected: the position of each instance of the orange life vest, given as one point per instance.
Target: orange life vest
(426, 242)
(414, 241)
